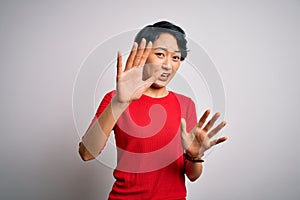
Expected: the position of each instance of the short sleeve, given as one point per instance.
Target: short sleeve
(191, 116)
(104, 103)
(188, 111)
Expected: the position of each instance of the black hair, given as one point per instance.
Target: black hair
(152, 33)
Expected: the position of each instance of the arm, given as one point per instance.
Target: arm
(198, 141)
(96, 136)
(130, 86)
(193, 170)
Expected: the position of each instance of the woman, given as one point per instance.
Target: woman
(157, 135)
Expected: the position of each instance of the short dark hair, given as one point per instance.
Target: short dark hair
(152, 33)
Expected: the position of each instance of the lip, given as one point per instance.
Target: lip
(164, 76)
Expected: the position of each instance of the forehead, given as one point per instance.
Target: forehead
(167, 41)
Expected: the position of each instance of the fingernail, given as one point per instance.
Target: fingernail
(135, 44)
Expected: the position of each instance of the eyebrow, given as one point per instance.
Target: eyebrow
(161, 48)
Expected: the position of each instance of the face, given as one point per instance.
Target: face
(165, 54)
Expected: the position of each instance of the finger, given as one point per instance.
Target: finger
(218, 141)
(147, 83)
(143, 87)
(145, 54)
(203, 118)
(211, 122)
(186, 138)
(131, 57)
(139, 53)
(119, 65)
(213, 132)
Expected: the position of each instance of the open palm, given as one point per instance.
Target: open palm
(200, 138)
(130, 83)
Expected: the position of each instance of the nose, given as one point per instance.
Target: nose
(167, 65)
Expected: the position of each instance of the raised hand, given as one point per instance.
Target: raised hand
(130, 83)
(200, 138)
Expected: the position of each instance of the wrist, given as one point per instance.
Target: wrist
(194, 159)
(118, 107)
(194, 152)
(117, 103)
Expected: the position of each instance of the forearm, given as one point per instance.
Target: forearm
(96, 136)
(193, 170)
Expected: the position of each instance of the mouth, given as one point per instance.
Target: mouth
(165, 75)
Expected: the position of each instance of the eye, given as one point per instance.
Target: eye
(176, 58)
(160, 55)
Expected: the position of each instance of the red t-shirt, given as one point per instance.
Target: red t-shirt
(150, 164)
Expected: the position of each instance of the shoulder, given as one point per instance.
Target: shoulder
(105, 101)
(182, 98)
(187, 105)
(109, 95)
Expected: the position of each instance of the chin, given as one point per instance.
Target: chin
(158, 85)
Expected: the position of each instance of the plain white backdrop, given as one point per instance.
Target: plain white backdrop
(254, 45)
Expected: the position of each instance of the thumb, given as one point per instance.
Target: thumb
(186, 138)
(183, 126)
(149, 81)
(119, 65)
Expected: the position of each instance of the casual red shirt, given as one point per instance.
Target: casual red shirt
(150, 164)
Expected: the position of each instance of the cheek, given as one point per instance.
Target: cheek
(153, 59)
(176, 66)
(150, 58)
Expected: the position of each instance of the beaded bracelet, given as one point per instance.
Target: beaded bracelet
(193, 159)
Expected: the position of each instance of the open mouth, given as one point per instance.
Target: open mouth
(166, 75)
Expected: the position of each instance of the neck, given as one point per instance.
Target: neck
(156, 92)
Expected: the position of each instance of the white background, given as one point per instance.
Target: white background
(255, 46)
